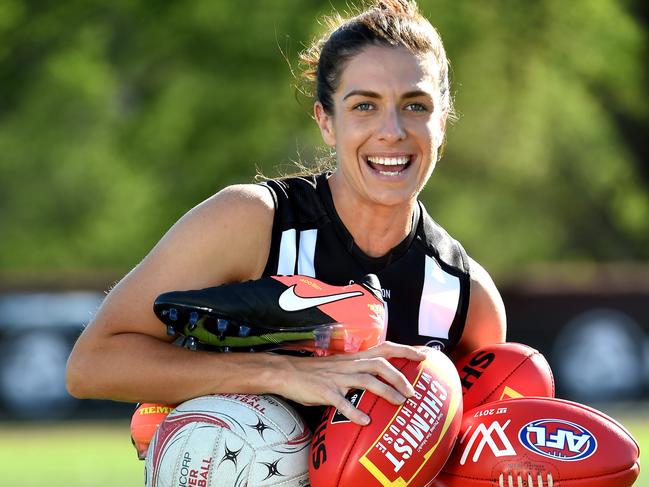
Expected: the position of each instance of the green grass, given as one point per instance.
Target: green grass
(99, 454)
(69, 455)
(636, 419)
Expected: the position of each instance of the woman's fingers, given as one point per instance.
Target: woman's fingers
(375, 361)
(326, 380)
(369, 383)
(392, 350)
(349, 411)
(378, 387)
(393, 379)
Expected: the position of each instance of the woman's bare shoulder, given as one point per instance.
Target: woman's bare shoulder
(226, 238)
(486, 321)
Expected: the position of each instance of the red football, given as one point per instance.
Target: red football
(539, 441)
(503, 371)
(402, 445)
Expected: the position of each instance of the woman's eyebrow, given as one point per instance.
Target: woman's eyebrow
(373, 94)
(369, 94)
(415, 94)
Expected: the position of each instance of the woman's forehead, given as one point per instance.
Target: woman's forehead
(380, 68)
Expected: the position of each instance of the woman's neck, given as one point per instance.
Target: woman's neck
(375, 228)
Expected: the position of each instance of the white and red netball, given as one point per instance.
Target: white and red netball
(503, 371)
(230, 439)
(402, 445)
(540, 442)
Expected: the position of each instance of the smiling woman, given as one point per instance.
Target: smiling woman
(387, 125)
(382, 101)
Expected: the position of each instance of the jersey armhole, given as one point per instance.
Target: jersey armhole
(273, 193)
(270, 269)
(452, 258)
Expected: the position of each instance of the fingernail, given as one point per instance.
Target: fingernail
(365, 420)
(411, 390)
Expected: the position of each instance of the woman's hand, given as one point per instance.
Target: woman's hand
(326, 380)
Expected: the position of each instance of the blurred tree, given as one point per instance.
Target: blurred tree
(117, 117)
(536, 167)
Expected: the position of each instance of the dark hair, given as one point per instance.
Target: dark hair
(395, 23)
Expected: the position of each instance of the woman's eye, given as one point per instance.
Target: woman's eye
(416, 107)
(363, 107)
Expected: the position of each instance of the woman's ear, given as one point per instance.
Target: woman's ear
(440, 136)
(442, 123)
(325, 122)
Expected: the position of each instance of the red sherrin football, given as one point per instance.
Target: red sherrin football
(403, 445)
(503, 371)
(535, 441)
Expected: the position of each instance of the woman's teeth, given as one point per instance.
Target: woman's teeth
(388, 166)
(389, 161)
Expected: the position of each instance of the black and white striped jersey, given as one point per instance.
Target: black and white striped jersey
(425, 279)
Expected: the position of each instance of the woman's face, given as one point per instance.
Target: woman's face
(387, 124)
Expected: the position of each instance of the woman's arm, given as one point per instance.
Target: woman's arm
(486, 322)
(124, 354)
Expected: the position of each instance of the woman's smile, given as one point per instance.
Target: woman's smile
(389, 166)
(386, 125)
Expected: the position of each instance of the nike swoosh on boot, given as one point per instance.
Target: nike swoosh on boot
(289, 301)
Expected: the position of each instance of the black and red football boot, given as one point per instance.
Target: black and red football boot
(278, 313)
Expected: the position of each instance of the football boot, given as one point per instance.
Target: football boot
(296, 313)
(144, 423)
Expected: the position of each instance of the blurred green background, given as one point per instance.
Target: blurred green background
(98, 455)
(117, 117)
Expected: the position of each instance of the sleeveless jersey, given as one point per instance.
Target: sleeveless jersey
(425, 279)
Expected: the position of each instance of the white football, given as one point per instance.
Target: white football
(229, 440)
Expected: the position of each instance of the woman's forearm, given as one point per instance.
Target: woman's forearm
(133, 367)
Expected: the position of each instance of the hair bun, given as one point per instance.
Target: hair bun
(403, 7)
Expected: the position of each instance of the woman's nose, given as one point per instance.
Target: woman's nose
(392, 129)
